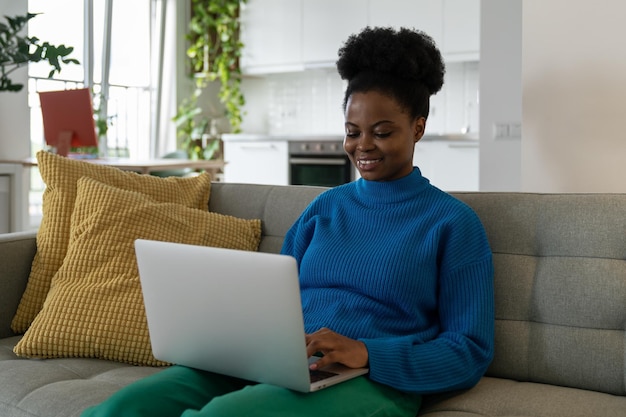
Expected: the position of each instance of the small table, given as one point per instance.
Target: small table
(16, 169)
(143, 166)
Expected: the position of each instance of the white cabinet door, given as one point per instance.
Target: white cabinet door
(461, 30)
(271, 33)
(457, 168)
(425, 15)
(291, 35)
(424, 158)
(326, 24)
(449, 165)
(256, 162)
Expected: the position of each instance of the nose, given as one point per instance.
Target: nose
(365, 142)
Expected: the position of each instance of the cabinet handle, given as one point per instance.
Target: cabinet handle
(259, 147)
(318, 161)
(463, 145)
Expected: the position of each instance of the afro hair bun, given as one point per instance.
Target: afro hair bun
(403, 53)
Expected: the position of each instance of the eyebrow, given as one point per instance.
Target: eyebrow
(381, 122)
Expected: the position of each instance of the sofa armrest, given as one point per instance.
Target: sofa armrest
(16, 256)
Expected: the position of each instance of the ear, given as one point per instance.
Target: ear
(419, 126)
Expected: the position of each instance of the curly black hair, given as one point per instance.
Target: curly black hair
(404, 64)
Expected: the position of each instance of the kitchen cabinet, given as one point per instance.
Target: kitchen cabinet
(256, 162)
(425, 15)
(271, 31)
(449, 165)
(326, 24)
(293, 35)
(454, 25)
(461, 30)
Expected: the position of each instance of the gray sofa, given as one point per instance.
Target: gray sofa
(560, 284)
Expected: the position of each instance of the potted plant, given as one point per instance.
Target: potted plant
(213, 55)
(17, 51)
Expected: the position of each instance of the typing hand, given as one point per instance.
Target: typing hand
(336, 349)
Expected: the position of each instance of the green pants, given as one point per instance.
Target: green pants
(181, 391)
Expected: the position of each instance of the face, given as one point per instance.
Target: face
(380, 136)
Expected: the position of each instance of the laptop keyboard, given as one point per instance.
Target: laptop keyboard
(318, 375)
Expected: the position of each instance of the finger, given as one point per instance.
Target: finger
(315, 346)
(320, 341)
(321, 363)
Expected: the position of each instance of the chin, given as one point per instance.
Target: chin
(371, 177)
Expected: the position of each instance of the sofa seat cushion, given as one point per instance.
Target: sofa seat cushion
(496, 397)
(58, 387)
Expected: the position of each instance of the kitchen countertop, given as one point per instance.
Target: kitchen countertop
(280, 137)
(247, 137)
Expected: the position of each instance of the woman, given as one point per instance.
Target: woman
(396, 275)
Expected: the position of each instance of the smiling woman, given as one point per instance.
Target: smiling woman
(380, 136)
(395, 275)
(387, 100)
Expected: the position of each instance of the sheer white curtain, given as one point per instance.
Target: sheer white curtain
(166, 16)
(130, 52)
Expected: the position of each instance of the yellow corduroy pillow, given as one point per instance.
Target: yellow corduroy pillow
(60, 175)
(95, 306)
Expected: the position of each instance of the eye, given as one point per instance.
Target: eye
(382, 135)
(352, 135)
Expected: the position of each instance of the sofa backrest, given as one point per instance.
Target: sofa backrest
(560, 276)
(560, 285)
(277, 206)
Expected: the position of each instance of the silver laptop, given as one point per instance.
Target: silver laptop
(231, 312)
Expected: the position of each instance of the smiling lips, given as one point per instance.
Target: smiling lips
(368, 163)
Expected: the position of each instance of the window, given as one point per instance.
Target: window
(127, 59)
(115, 63)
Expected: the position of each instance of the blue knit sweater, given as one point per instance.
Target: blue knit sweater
(405, 268)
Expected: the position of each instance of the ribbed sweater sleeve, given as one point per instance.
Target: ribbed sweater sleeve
(407, 269)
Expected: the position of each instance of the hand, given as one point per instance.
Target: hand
(336, 349)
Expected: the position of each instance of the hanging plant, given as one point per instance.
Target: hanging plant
(191, 126)
(214, 52)
(17, 51)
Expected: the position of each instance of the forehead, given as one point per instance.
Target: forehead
(373, 104)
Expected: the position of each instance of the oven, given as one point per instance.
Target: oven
(321, 163)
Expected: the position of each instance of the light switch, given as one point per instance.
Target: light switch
(511, 130)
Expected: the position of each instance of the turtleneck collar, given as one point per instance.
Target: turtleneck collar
(391, 192)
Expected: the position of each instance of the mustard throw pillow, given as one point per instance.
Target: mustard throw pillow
(95, 306)
(60, 175)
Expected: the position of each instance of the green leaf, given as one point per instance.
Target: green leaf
(17, 50)
(214, 27)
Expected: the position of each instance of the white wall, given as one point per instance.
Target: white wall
(574, 96)
(309, 102)
(500, 93)
(14, 113)
(560, 68)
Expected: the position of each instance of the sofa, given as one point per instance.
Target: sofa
(560, 287)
